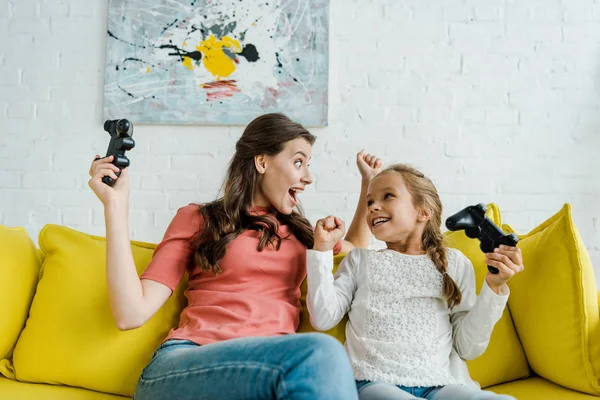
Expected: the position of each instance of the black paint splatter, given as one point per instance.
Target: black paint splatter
(194, 55)
(168, 26)
(250, 53)
(200, 29)
(128, 94)
(124, 41)
(138, 60)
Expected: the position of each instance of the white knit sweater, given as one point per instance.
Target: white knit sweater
(400, 330)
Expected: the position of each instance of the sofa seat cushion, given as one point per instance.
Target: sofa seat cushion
(70, 337)
(19, 269)
(539, 388)
(14, 390)
(554, 305)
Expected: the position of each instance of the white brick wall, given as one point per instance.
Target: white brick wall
(497, 101)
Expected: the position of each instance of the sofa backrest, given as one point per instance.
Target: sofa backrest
(554, 304)
(70, 337)
(19, 268)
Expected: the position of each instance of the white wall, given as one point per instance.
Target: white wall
(497, 101)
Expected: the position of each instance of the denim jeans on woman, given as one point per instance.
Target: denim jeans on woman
(291, 367)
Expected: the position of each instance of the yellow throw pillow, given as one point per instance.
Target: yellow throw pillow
(19, 269)
(338, 331)
(554, 305)
(71, 337)
(504, 359)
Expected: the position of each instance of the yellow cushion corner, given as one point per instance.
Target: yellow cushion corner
(554, 304)
(70, 337)
(19, 269)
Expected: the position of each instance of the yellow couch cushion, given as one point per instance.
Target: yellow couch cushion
(19, 269)
(13, 390)
(504, 359)
(70, 337)
(338, 331)
(554, 305)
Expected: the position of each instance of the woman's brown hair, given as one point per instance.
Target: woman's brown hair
(228, 216)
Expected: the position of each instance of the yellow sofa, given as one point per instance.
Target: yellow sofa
(58, 339)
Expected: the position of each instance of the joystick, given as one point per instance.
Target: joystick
(476, 225)
(121, 132)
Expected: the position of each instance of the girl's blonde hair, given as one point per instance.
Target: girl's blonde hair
(425, 196)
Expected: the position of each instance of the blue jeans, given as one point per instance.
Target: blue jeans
(382, 391)
(291, 367)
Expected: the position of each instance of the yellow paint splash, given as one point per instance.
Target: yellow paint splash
(187, 62)
(215, 60)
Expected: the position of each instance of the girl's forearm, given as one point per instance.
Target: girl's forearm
(358, 232)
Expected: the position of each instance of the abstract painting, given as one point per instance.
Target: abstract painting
(217, 62)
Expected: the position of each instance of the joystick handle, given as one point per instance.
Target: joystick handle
(121, 132)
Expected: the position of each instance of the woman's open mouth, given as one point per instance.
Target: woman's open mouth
(293, 192)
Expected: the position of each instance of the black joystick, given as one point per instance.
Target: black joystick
(476, 225)
(121, 132)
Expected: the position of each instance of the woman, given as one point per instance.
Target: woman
(245, 254)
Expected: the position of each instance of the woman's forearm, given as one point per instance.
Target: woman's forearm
(122, 280)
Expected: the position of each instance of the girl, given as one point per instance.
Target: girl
(245, 258)
(413, 313)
